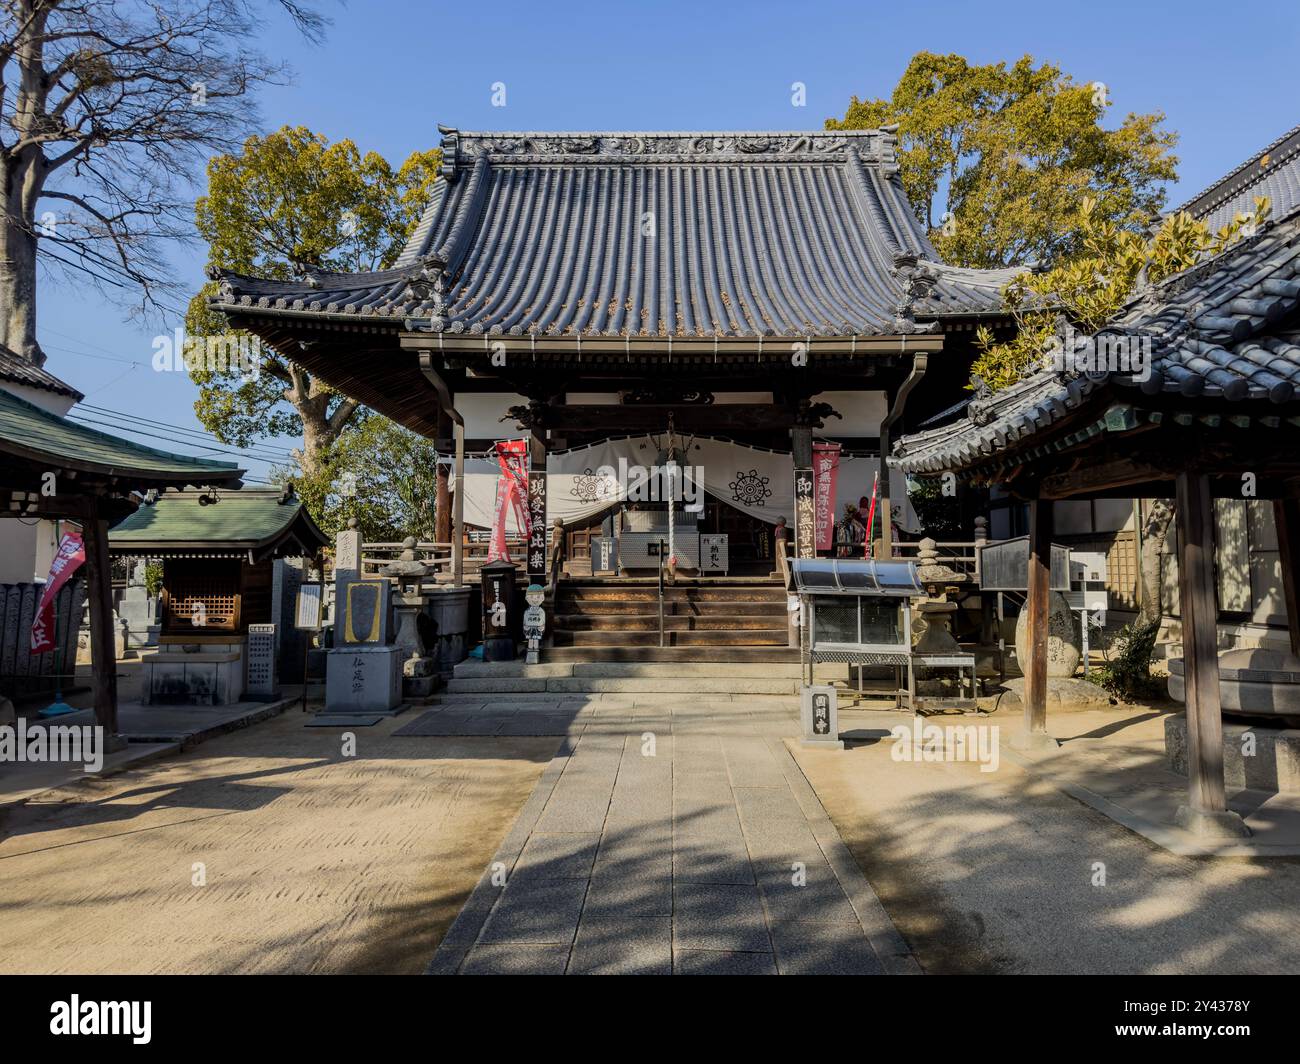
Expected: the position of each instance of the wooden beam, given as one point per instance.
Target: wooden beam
(1286, 516)
(1206, 811)
(1035, 734)
(99, 590)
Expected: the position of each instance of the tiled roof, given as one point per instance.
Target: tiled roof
(1273, 172)
(655, 234)
(1227, 330)
(19, 370)
(238, 521)
(27, 431)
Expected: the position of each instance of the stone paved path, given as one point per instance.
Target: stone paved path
(666, 836)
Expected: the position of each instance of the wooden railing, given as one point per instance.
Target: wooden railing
(374, 556)
(961, 556)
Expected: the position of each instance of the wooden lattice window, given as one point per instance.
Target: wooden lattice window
(201, 596)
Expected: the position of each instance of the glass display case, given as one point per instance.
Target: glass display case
(857, 612)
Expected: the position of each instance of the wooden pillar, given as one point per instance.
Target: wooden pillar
(1286, 516)
(458, 513)
(539, 541)
(1034, 736)
(442, 496)
(919, 364)
(801, 458)
(1206, 811)
(99, 591)
(884, 546)
(801, 447)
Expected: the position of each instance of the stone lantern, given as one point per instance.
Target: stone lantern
(936, 610)
(419, 670)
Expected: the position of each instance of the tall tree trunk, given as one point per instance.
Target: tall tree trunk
(18, 267)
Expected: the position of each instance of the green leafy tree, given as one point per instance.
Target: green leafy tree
(291, 201)
(1091, 288)
(996, 158)
(379, 473)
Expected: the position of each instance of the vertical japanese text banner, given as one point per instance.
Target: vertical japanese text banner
(826, 472)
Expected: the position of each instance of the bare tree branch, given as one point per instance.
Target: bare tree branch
(112, 107)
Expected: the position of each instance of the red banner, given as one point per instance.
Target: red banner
(70, 555)
(512, 496)
(826, 471)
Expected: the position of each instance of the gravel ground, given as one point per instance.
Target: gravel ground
(994, 872)
(314, 862)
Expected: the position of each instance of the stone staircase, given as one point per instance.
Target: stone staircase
(642, 681)
(737, 620)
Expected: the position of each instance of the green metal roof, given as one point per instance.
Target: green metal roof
(236, 523)
(27, 431)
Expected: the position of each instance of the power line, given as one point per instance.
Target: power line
(153, 435)
(103, 411)
(88, 354)
(75, 339)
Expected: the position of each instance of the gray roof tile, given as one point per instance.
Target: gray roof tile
(1227, 329)
(1273, 172)
(18, 370)
(656, 234)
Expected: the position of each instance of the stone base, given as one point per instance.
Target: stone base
(1253, 682)
(363, 679)
(1274, 765)
(822, 744)
(1219, 825)
(210, 675)
(1034, 742)
(415, 688)
(1062, 693)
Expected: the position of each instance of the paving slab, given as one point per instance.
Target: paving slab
(623, 945)
(722, 962)
(705, 853)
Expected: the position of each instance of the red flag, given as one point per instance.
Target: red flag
(68, 558)
(826, 471)
(512, 495)
(871, 516)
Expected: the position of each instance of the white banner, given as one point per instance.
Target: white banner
(584, 481)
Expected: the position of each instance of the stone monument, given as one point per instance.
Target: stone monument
(260, 661)
(137, 611)
(363, 672)
(1064, 647)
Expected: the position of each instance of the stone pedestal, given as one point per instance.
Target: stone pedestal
(195, 675)
(363, 679)
(1215, 824)
(1262, 757)
(419, 673)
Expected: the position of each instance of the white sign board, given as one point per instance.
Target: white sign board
(308, 612)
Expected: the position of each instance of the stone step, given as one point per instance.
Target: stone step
(468, 670)
(578, 685)
(749, 637)
(650, 607)
(749, 656)
(672, 593)
(649, 622)
(556, 702)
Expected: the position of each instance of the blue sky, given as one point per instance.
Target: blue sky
(1228, 79)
